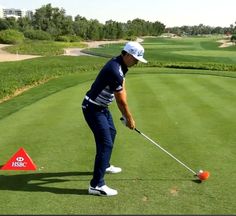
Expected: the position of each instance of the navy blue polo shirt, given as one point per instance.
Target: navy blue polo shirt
(109, 80)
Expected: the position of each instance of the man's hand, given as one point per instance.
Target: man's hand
(128, 123)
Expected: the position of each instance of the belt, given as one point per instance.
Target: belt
(91, 101)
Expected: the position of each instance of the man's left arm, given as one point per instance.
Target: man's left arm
(121, 100)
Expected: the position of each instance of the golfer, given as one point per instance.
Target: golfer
(109, 84)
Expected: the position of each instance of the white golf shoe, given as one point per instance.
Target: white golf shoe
(112, 169)
(102, 191)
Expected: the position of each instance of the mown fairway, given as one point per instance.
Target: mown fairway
(205, 50)
(202, 53)
(189, 112)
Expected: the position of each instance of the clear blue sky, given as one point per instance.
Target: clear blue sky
(170, 12)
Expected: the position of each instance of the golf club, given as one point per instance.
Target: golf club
(202, 175)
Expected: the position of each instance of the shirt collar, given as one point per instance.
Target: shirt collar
(123, 66)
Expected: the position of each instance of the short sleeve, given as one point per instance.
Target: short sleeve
(117, 79)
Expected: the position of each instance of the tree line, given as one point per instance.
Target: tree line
(202, 30)
(52, 23)
(57, 24)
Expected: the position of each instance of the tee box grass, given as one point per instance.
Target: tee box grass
(190, 112)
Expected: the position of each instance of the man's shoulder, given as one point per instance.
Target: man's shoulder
(112, 66)
(113, 69)
(114, 62)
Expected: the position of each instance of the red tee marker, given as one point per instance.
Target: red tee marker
(20, 161)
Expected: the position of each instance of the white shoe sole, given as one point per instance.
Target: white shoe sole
(113, 170)
(99, 192)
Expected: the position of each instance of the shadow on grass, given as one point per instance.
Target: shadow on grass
(37, 182)
(198, 181)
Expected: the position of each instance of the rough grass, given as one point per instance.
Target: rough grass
(17, 75)
(42, 48)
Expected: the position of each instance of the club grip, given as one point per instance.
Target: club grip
(123, 120)
(137, 130)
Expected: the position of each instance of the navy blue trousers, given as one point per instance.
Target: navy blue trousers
(101, 123)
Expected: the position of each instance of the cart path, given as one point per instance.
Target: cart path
(92, 44)
(5, 56)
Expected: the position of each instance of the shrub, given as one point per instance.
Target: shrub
(4, 24)
(63, 39)
(37, 35)
(131, 38)
(11, 36)
(233, 38)
(74, 38)
(68, 38)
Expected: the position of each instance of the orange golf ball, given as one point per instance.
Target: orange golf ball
(203, 175)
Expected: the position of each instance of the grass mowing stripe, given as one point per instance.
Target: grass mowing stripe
(205, 105)
(224, 87)
(171, 71)
(223, 92)
(178, 139)
(212, 97)
(135, 147)
(179, 111)
(55, 134)
(204, 121)
(217, 124)
(149, 113)
(163, 116)
(156, 105)
(208, 145)
(201, 151)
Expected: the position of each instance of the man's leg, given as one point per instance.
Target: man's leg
(110, 168)
(104, 147)
(98, 123)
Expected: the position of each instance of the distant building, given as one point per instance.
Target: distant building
(29, 14)
(1, 12)
(17, 13)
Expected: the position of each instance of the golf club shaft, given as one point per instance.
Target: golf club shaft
(165, 151)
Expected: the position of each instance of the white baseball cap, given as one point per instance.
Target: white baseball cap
(136, 50)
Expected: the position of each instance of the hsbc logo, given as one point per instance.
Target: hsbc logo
(19, 162)
(20, 159)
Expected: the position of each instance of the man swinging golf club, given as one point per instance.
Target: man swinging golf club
(109, 84)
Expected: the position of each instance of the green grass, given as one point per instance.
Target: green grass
(189, 112)
(15, 75)
(185, 49)
(42, 48)
(199, 53)
(38, 93)
(192, 116)
(187, 53)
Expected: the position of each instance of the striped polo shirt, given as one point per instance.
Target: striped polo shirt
(108, 81)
